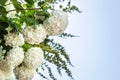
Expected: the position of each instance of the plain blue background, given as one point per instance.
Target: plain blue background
(96, 53)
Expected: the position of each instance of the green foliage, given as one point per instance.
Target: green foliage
(31, 2)
(2, 2)
(65, 35)
(2, 10)
(56, 54)
(70, 8)
(17, 5)
(42, 76)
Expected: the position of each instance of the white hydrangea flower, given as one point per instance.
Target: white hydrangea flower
(23, 73)
(4, 66)
(15, 56)
(34, 35)
(56, 23)
(9, 6)
(6, 71)
(9, 75)
(14, 39)
(33, 58)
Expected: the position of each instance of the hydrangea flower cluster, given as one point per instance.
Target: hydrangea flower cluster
(21, 65)
(57, 23)
(26, 27)
(34, 35)
(30, 60)
(33, 58)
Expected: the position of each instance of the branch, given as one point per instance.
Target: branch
(24, 9)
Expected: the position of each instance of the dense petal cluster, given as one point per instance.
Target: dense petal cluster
(56, 23)
(14, 39)
(6, 71)
(34, 35)
(15, 56)
(33, 58)
(7, 75)
(23, 73)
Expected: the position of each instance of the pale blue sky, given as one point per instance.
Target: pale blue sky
(96, 53)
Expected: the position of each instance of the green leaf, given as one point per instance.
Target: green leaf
(60, 6)
(49, 1)
(30, 21)
(74, 8)
(17, 24)
(17, 5)
(54, 53)
(44, 77)
(50, 72)
(3, 18)
(2, 10)
(26, 47)
(66, 35)
(27, 5)
(41, 3)
(40, 16)
(29, 1)
(2, 2)
(3, 25)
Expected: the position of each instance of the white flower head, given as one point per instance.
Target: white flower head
(9, 75)
(9, 6)
(33, 58)
(24, 73)
(4, 66)
(56, 23)
(6, 71)
(15, 56)
(34, 35)
(14, 39)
